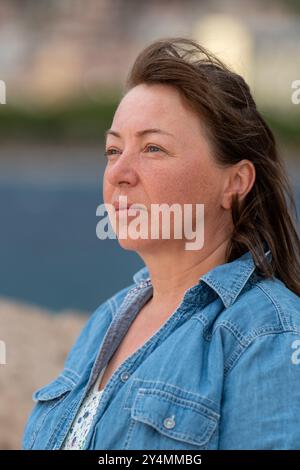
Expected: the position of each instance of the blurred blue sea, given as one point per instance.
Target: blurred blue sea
(50, 254)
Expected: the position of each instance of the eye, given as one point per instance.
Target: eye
(113, 151)
(109, 152)
(154, 147)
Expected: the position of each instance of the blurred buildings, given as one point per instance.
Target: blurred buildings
(53, 49)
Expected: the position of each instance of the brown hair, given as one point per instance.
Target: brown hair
(263, 219)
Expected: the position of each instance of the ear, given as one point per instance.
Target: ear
(239, 180)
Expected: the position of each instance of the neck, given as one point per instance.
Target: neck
(173, 273)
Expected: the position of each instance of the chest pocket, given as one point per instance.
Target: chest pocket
(46, 411)
(163, 420)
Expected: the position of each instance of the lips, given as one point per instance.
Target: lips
(127, 206)
(119, 206)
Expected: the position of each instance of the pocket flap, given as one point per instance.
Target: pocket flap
(54, 389)
(175, 417)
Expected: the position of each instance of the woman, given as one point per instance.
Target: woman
(202, 351)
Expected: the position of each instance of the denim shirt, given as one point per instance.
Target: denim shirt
(223, 372)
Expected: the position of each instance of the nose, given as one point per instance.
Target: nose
(122, 172)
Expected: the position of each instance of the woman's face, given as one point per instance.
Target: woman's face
(173, 164)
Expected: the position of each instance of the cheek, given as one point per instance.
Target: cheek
(164, 186)
(188, 184)
(202, 182)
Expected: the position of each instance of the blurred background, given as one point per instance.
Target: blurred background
(64, 64)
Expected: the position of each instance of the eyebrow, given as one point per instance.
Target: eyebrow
(139, 133)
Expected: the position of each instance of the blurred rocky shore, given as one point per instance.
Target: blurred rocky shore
(36, 344)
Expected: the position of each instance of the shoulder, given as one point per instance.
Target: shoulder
(95, 327)
(265, 305)
(108, 308)
(264, 310)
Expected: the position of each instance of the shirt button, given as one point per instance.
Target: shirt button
(124, 376)
(169, 423)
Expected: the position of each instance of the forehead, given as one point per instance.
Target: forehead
(154, 106)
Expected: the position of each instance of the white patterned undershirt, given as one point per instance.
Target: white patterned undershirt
(76, 437)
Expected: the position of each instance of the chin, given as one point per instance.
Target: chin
(139, 244)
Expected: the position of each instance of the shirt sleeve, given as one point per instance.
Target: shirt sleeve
(261, 396)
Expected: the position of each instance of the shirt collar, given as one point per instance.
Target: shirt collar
(141, 275)
(227, 279)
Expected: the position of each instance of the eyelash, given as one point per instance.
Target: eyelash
(107, 152)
